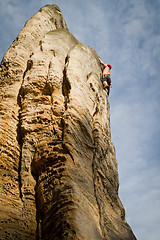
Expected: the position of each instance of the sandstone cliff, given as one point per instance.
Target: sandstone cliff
(59, 176)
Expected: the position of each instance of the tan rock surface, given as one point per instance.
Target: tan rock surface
(59, 177)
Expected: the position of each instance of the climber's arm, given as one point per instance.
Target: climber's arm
(102, 62)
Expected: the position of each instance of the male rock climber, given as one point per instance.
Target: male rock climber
(106, 80)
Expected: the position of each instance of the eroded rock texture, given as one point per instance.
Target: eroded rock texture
(59, 176)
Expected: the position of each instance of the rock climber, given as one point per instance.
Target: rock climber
(105, 78)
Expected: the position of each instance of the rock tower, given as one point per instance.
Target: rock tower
(58, 169)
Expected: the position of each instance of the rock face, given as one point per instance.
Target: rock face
(59, 177)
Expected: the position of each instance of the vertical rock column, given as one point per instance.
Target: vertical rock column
(88, 138)
(59, 171)
(64, 144)
(18, 210)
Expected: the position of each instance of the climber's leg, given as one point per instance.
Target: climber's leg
(104, 80)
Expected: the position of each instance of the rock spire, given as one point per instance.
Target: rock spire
(59, 177)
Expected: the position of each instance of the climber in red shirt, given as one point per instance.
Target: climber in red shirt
(106, 80)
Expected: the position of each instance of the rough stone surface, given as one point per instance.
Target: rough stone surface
(59, 177)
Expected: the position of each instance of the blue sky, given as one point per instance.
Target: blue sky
(126, 34)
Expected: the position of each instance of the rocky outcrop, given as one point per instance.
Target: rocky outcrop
(59, 177)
